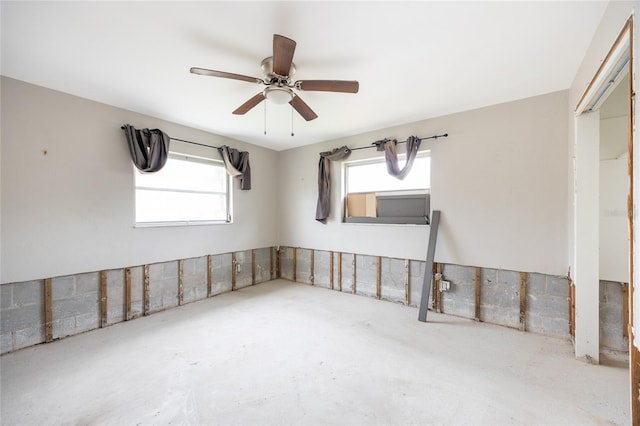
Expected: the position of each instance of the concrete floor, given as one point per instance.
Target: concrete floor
(285, 353)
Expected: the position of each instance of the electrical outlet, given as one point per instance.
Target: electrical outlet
(445, 285)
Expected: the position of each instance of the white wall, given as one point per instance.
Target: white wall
(499, 180)
(586, 273)
(614, 239)
(614, 187)
(72, 210)
(614, 19)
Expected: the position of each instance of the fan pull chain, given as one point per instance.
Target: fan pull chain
(265, 117)
(292, 121)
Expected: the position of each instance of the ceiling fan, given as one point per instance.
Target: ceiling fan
(278, 70)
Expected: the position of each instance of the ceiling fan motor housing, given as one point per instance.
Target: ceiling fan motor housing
(273, 78)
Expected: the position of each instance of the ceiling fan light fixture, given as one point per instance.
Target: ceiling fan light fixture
(278, 95)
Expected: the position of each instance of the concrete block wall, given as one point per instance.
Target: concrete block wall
(416, 277)
(115, 296)
(394, 273)
(613, 298)
(392, 279)
(265, 267)
(75, 304)
(546, 300)
(303, 266)
(347, 283)
(194, 276)
(322, 274)
(366, 275)
(163, 293)
(244, 271)
(76, 300)
(21, 315)
(500, 297)
(461, 298)
(222, 269)
(286, 263)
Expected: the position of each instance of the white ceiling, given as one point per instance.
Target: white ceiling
(414, 60)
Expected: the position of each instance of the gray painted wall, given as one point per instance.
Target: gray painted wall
(499, 180)
(71, 210)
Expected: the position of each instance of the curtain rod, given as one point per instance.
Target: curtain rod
(182, 140)
(194, 143)
(373, 144)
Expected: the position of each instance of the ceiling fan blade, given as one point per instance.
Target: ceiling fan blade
(328, 86)
(283, 49)
(303, 109)
(214, 73)
(245, 107)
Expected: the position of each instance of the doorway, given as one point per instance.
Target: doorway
(603, 203)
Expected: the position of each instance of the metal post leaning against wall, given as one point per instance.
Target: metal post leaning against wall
(428, 267)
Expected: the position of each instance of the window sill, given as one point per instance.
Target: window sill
(396, 220)
(182, 223)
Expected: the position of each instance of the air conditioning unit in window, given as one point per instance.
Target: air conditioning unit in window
(393, 207)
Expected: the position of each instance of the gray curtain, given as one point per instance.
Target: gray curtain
(149, 148)
(237, 165)
(324, 180)
(391, 155)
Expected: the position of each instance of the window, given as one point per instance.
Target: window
(187, 190)
(374, 196)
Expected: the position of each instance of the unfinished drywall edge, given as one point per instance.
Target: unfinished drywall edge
(40, 311)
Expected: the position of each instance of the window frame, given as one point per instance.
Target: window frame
(385, 194)
(183, 156)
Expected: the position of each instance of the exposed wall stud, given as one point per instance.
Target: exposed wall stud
(523, 300)
(209, 275)
(635, 379)
(331, 270)
(295, 263)
(437, 270)
(180, 281)
(635, 354)
(378, 277)
(572, 308)
(233, 271)
(103, 298)
(312, 256)
(478, 292)
(353, 273)
(127, 295)
(145, 290)
(253, 266)
(271, 262)
(407, 284)
(625, 310)
(48, 311)
(340, 271)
